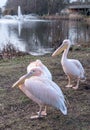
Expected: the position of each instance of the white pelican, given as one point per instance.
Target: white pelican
(45, 73)
(71, 67)
(38, 63)
(42, 91)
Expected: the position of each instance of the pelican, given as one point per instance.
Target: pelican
(42, 90)
(38, 63)
(45, 73)
(72, 68)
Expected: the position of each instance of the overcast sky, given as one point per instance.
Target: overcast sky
(2, 2)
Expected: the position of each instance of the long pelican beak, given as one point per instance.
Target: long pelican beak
(59, 50)
(22, 79)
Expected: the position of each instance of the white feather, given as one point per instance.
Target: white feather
(46, 93)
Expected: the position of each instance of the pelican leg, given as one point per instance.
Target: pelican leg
(43, 113)
(76, 87)
(69, 82)
(39, 114)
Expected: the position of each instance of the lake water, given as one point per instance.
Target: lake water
(37, 37)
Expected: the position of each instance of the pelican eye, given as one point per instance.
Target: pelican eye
(33, 71)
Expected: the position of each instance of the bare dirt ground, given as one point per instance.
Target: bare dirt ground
(16, 108)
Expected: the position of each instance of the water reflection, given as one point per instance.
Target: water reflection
(26, 36)
(76, 31)
(37, 36)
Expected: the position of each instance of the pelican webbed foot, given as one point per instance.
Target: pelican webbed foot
(68, 86)
(43, 113)
(76, 87)
(40, 114)
(36, 117)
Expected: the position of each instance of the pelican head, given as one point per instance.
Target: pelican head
(33, 72)
(66, 43)
(38, 64)
(34, 64)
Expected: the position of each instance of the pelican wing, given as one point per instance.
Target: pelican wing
(78, 64)
(44, 90)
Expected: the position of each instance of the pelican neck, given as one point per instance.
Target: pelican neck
(65, 53)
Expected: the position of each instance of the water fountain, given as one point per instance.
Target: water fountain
(20, 16)
(14, 26)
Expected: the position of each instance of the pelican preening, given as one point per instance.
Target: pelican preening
(71, 67)
(45, 73)
(42, 90)
(38, 63)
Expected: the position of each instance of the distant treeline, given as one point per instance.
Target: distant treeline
(35, 6)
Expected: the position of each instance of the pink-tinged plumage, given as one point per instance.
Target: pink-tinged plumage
(38, 64)
(72, 68)
(42, 90)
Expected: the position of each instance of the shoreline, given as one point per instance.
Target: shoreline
(73, 17)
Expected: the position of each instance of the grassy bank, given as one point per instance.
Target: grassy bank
(16, 108)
